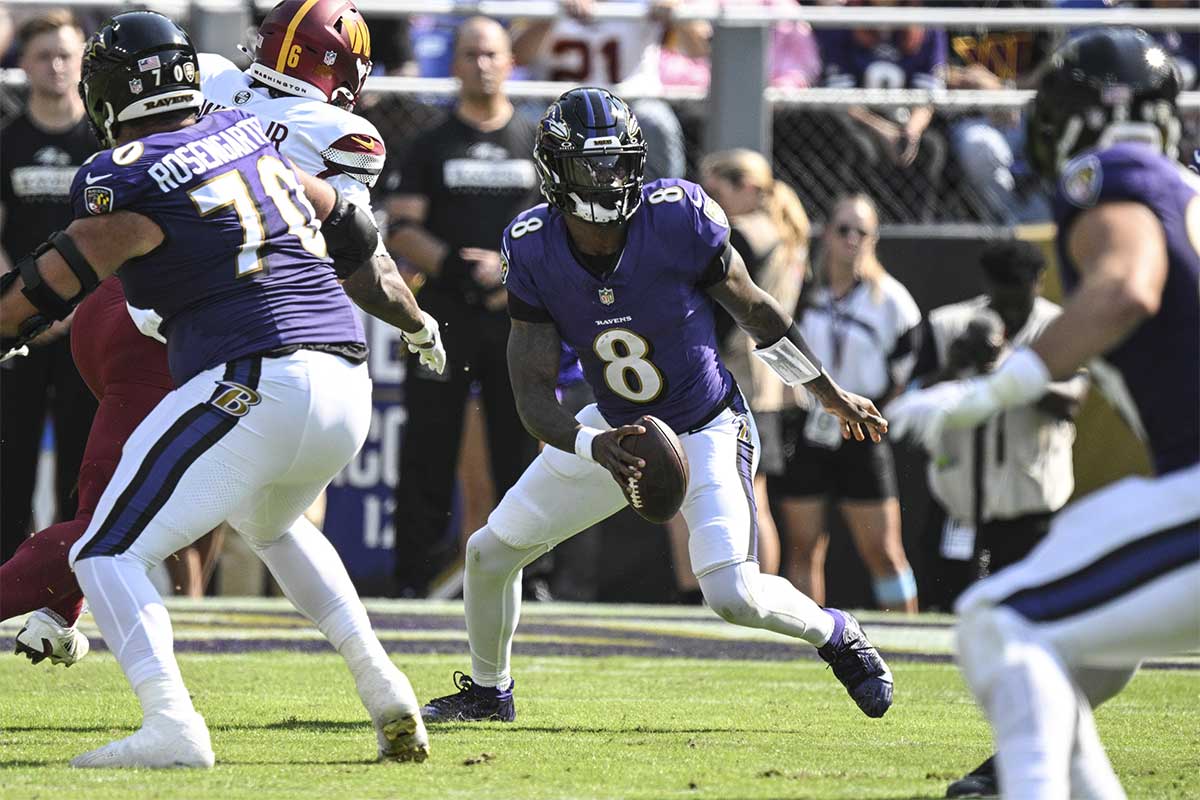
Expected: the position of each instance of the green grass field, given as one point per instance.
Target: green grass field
(287, 724)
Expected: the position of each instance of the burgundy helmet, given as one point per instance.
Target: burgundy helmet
(314, 48)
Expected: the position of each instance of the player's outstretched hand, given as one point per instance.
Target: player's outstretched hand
(620, 463)
(427, 344)
(860, 418)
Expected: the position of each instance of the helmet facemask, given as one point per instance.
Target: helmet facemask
(602, 187)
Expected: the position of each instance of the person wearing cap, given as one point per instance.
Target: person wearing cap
(999, 483)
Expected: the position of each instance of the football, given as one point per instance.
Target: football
(659, 493)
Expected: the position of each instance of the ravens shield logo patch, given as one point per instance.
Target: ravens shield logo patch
(98, 199)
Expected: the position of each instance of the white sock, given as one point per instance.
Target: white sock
(1092, 776)
(135, 625)
(315, 580)
(741, 594)
(492, 595)
(1027, 695)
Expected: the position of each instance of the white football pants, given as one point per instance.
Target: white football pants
(1116, 580)
(253, 442)
(560, 494)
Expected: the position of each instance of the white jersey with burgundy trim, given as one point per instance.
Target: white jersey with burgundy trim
(321, 139)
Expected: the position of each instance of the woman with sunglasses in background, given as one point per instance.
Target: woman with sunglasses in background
(769, 228)
(863, 324)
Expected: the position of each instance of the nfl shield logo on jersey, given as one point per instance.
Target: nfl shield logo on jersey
(98, 199)
(330, 57)
(607, 297)
(135, 86)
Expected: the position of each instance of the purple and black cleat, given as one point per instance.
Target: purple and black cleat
(858, 665)
(472, 703)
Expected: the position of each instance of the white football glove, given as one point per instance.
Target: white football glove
(14, 353)
(427, 344)
(921, 414)
(924, 414)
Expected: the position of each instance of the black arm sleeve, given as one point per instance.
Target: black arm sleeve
(520, 310)
(718, 268)
(351, 235)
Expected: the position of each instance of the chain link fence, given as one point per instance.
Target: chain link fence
(968, 166)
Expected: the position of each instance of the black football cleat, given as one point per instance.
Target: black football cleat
(472, 703)
(979, 782)
(858, 665)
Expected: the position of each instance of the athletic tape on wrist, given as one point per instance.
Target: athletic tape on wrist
(790, 359)
(583, 442)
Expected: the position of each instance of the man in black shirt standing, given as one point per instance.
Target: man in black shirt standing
(462, 183)
(40, 150)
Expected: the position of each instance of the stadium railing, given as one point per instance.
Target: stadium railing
(801, 128)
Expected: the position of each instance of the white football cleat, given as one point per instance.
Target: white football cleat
(161, 743)
(395, 713)
(45, 635)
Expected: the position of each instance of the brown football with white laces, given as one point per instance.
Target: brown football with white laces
(659, 493)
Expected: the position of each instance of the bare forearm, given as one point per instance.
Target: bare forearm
(528, 41)
(534, 351)
(546, 420)
(419, 247)
(382, 293)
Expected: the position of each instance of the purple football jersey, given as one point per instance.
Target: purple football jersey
(885, 64)
(242, 268)
(645, 333)
(1160, 360)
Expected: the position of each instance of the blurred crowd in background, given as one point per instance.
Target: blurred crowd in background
(459, 168)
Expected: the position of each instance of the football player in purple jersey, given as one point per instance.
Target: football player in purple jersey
(628, 274)
(1117, 579)
(216, 232)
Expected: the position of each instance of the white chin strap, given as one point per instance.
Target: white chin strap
(593, 212)
(285, 83)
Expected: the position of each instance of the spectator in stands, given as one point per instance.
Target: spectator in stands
(579, 49)
(461, 184)
(893, 153)
(1004, 480)
(40, 151)
(864, 326)
(990, 147)
(793, 58)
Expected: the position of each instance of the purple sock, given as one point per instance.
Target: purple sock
(839, 625)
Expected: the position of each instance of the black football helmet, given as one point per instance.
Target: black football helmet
(1103, 86)
(591, 156)
(138, 64)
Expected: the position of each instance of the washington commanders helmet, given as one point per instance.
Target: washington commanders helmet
(591, 156)
(320, 50)
(1103, 86)
(136, 65)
